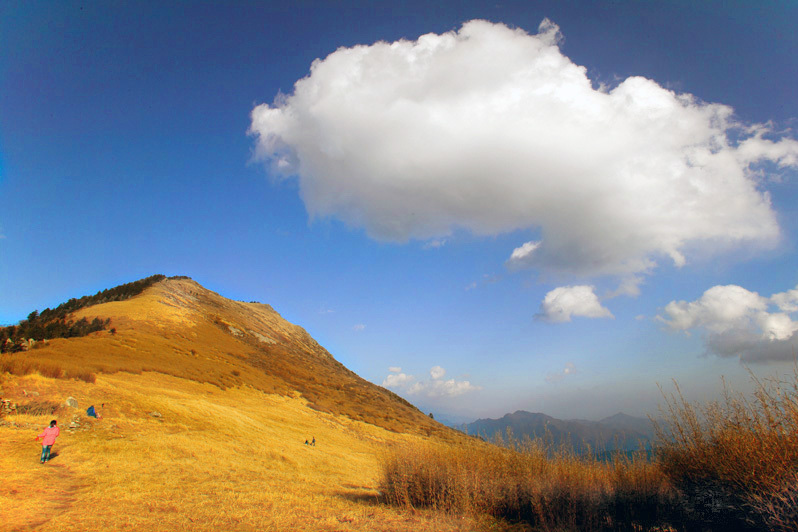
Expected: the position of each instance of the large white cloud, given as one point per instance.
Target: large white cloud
(563, 302)
(738, 322)
(492, 129)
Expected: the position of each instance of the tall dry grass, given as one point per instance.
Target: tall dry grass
(20, 365)
(565, 491)
(725, 465)
(735, 461)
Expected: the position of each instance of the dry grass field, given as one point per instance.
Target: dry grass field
(238, 390)
(213, 460)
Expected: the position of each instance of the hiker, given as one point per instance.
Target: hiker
(306, 442)
(48, 437)
(91, 412)
(313, 443)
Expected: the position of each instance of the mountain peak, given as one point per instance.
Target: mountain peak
(178, 327)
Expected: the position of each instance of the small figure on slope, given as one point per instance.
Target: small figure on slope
(48, 437)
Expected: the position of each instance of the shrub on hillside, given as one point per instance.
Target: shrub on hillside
(38, 408)
(20, 365)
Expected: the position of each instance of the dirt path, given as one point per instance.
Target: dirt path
(31, 494)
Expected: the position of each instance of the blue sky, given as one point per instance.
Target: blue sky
(548, 206)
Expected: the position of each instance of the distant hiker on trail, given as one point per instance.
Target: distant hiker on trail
(313, 443)
(306, 442)
(91, 412)
(48, 437)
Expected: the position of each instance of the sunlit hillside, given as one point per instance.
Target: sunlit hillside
(208, 404)
(179, 328)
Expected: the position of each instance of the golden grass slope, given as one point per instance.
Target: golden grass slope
(179, 328)
(215, 459)
(238, 390)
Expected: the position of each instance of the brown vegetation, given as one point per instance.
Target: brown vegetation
(19, 364)
(528, 485)
(726, 465)
(736, 460)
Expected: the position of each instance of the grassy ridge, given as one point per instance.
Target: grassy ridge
(178, 328)
(727, 465)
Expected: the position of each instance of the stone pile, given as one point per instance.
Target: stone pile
(76, 424)
(7, 407)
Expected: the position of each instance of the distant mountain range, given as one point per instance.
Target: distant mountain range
(619, 432)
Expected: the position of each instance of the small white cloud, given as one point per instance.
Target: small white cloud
(521, 257)
(443, 388)
(359, 327)
(569, 369)
(395, 369)
(437, 372)
(472, 286)
(719, 309)
(786, 301)
(562, 303)
(397, 380)
(738, 322)
(435, 387)
(640, 317)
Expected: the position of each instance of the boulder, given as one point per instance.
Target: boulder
(155, 414)
(71, 402)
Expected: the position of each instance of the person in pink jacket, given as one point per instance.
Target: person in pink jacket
(48, 437)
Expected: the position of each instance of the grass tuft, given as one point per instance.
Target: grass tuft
(736, 460)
